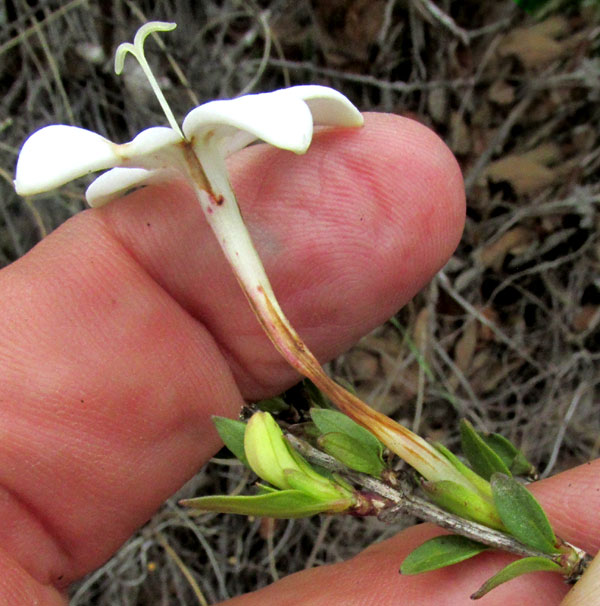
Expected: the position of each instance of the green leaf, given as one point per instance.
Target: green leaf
(333, 421)
(273, 405)
(522, 515)
(512, 457)
(232, 434)
(279, 504)
(515, 569)
(324, 490)
(352, 453)
(481, 457)
(464, 502)
(439, 552)
(531, 6)
(264, 488)
(483, 486)
(315, 396)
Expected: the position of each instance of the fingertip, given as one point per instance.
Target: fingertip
(423, 174)
(352, 230)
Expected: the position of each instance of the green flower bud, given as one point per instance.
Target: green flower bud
(273, 459)
(267, 451)
(464, 502)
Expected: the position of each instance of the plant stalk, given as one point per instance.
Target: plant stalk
(223, 215)
(405, 502)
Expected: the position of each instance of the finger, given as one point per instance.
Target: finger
(573, 502)
(118, 331)
(373, 575)
(347, 233)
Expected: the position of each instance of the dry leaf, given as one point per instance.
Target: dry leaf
(537, 45)
(268, 527)
(525, 176)
(485, 332)
(460, 141)
(493, 254)
(348, 28)
(363, 365)
(501, 93)
(586, 318)
(546, 153)
(554, 27)
(466, 345)
(437, 104)
(527, 172)
(420, 330)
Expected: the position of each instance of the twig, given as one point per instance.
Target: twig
(205, 545)
(183, 568)
(445, 282)
(396, 86)
(429, 9)
(55, 71)
(563, 428)
(404, 502)
(270, 529)
(318, 544)
(44, 22)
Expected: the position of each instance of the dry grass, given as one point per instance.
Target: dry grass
(506, 335)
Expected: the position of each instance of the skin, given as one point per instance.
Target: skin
(124, 330)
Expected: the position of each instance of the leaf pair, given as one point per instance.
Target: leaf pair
(452, 549)
(340, 437)
(523, 518)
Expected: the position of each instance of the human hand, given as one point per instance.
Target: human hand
(124, 330)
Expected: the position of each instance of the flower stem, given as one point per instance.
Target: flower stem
(223, 215)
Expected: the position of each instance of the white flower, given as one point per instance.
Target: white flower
(285, 118)
(196, 152)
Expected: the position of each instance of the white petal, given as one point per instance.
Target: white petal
(57, 154)
(279, 118)
(282, 120)
(118, 181)
(158, 147)
(328, 106)
(150, 144)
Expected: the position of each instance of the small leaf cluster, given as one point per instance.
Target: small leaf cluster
(294, 488)
(494, 461)
(291, 486)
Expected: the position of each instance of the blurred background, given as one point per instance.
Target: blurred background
(506, 335)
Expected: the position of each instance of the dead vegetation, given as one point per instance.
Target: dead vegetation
(506, 335)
